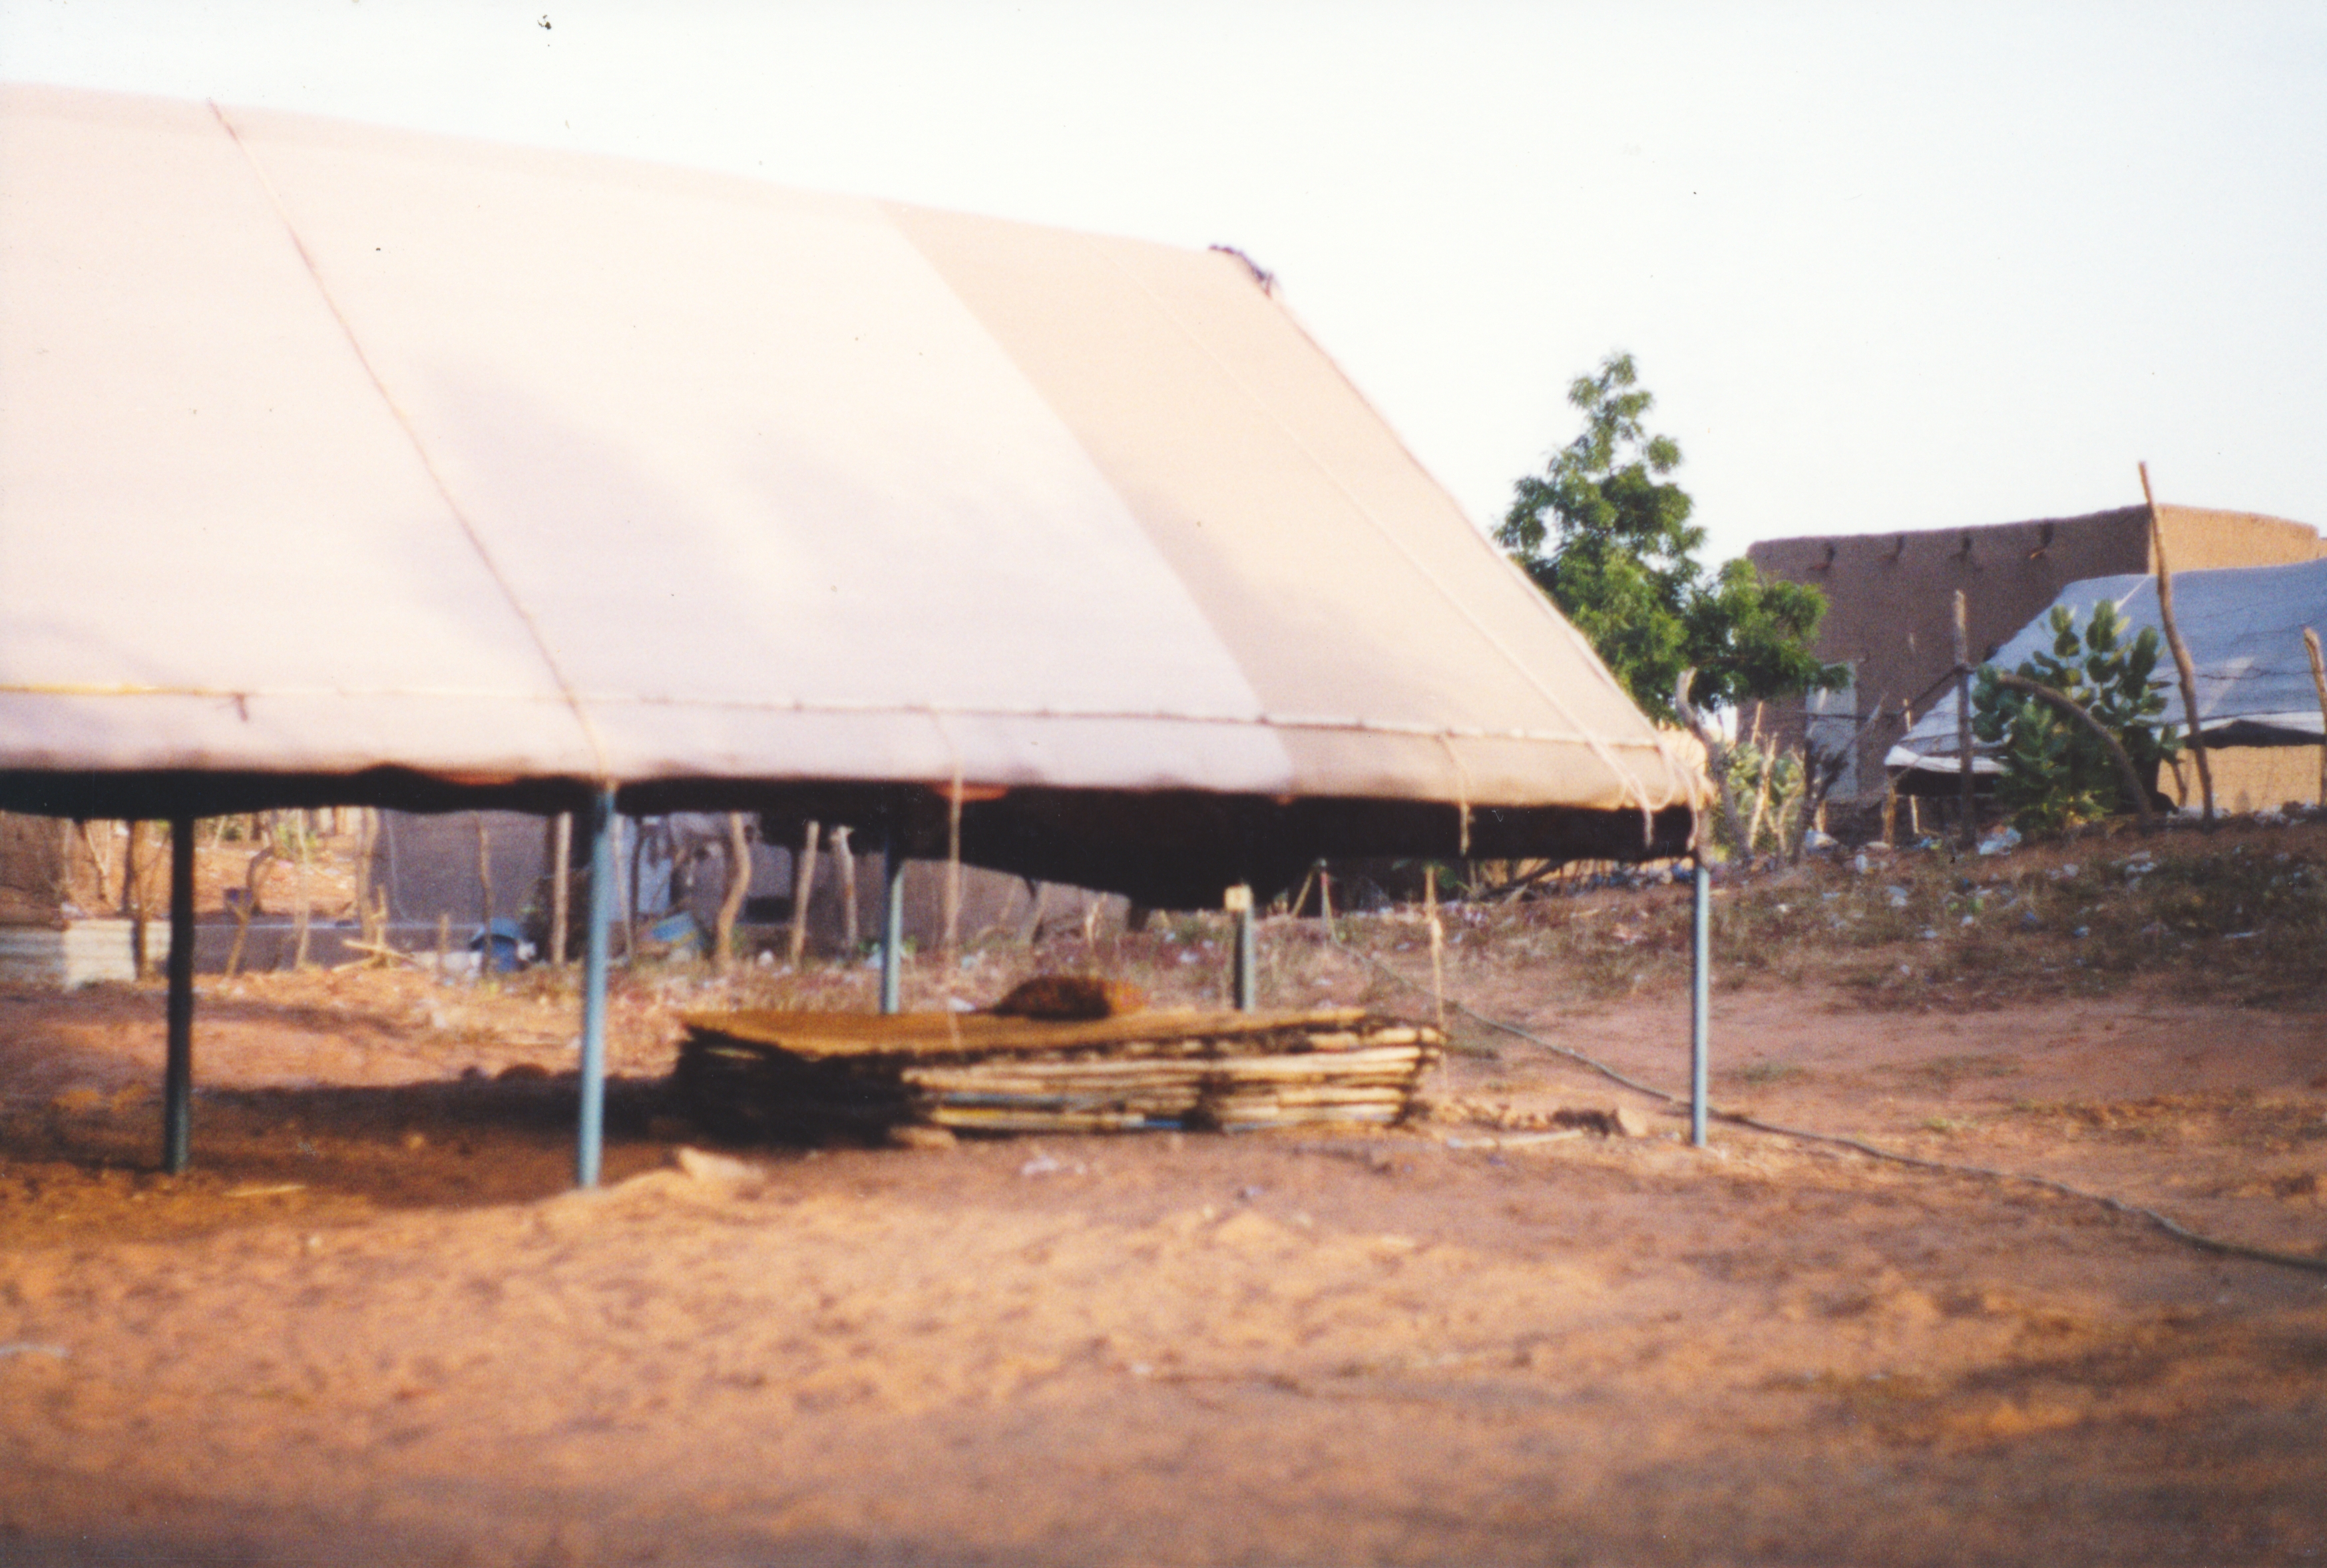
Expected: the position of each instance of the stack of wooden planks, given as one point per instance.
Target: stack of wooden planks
(817, 1074)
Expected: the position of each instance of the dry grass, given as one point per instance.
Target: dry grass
(2239, 914)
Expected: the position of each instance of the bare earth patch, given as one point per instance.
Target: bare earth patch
(372, 1326)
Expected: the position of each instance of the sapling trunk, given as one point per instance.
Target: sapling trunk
(2195, 741)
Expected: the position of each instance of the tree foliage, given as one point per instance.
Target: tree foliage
(2056, 773)
(1608, 537)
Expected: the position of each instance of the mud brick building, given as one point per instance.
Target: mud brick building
(1890, 617)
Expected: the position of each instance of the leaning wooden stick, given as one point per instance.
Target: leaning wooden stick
(254, 875)
(1963, 713)
(2197, 742)
(303, 846)
(844, 859)
(133, 900)
(484, 895)
(377, 954)
(561, 886)
(1437, 943)
(731, 902)
(2318, 683)
(803, 886)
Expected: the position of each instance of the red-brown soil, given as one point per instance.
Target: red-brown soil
(373, 1326)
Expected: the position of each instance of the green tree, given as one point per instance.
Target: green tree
(1608, 537)
(2056, 773)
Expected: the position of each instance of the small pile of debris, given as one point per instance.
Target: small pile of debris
(797, 1076)
(1609, 1122)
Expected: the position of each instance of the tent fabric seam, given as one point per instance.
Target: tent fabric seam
(428, 465)
(1674, 767)
(1630, 782)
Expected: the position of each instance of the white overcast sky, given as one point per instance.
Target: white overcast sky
(1884, 266)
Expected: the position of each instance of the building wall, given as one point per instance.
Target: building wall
(33, 878)
(51, 870)
(1891, 597)
(2249, 779)
(428, 867)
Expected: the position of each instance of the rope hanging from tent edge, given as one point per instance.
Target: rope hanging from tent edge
(1462, 795)
(2179, 1232)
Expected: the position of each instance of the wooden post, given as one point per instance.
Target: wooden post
(1437, 943)
(1299, 899)
(133, 902)
(2318, 683)
(844, 865)
(88, 842)
(803, 886)
(1244, 970)
(363, 879)
(302, 897)
(254, 877)
(372, 910)
(1963, 713)
(484, 897)
(731, 902)
(634, 840)
(1038, 899)
(561, 885)
(2181, 664)
(1700, 994)
(950, 957)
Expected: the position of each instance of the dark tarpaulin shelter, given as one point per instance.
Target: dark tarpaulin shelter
(340, 465)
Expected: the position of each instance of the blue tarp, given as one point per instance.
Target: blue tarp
(2244, 627)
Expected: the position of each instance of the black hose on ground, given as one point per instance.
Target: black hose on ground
(2174, 1228)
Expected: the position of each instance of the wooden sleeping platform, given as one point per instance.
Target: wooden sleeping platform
(813, 1075)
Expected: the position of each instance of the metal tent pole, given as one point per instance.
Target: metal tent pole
(892, 919)
(178, 1073)
(1700, 1009)
(590, 1134)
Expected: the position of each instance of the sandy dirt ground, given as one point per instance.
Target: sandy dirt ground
(373, 1326)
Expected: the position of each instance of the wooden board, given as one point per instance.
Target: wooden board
(827, 1035)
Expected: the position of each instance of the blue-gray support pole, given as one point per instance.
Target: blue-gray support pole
(178, 1071)
(590, 1134)
(893, 920)
(1700, 1001)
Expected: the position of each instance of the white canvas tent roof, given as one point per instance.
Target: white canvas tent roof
(2244, 628)
(339, 463)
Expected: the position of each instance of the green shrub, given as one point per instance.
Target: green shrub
(2056, 772)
